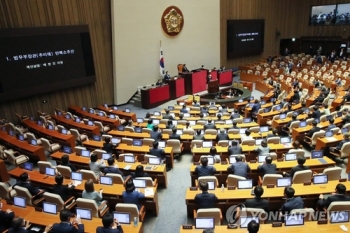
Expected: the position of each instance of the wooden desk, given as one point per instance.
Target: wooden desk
(264, 117)
(285, 166)
(34, 152)
(82, 162)
(43, 219)
(112, 193)
(119, 113)
(328, 142)
(69, 123)
(53, 135)
(279, 123)
(273, 195)
(113, 123)
(4, 176)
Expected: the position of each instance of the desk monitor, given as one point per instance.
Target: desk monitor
(339, 114)
(181, 103)
(92, 111)
(263, 101)
(101, 114)
(204, 223)
(161, 144)
(77, 176)
(339, 216)
(64, 131)
(21, 137)
(247, 120)
(317, 154)
(129, 159)
(211, 103)
(123, 218)
(290, 157)
(228, 122)
(137, 142)
(90, 123)
(85, 153)
(139, 183)
(211, 185)
(329, 117)
(283, 182)
(192, 123)
(115, 108)
(50, 171)
(3, 128)
(293, 220)
(155, 121)
(139, 120)
(67, 116)
(105, 105)
(138, 130)
(11, 133)
(245, 220)
(49, 208)
(96, 138)
(240, 101)
(171, 107)
(278, 107)
(84, 213)
(127, 110)
(59, 113)
(115, 140)
(264, 129)
(285, 140)
(50, 127)
(210, 160)
(179, 132)
(344, 130)
(258, 141)
(261, 158)
(320, 179)
(33, 142)
(174, 123)
(28, 166)
(173, 115)
(121, 127)
(328, 134)
(77, 120)
(302, 124)
(112, 116)
(283, 116)
(156, 113)
(40, 123)
(154, 160)
(245, 184)
(267, 110)
(251, 105)
(186, 115)
(242, 130)
(19, 201)
(106, 156)
(67, 149)
(232, 159)
(106, 180)
(207, 144)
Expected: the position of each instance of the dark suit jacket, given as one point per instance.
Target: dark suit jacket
(72, 167)
(222, 136)
(209, 126)
(157, 152)
(166, 116)
(6, 219)
(291, 204)
(184, 69)
(119, 229)
(235, 150)
(134, 175)
(112, 169)
(205, 200)
(239, 169)
(63, 227)
(235, 116)
(337, 197)
(312, 131)
(198, 137)
(256, 107)
(267, 169)
(63, 190)
(31, 188)
(257, 203)
(175, 136)
(156, 135)
(108, 147)
(298, 168)
(205, 170)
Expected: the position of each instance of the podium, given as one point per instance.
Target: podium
(213, 86)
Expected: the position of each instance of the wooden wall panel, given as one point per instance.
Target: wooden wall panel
(290, 17)
(39, 13)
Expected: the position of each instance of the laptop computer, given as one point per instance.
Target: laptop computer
(84, 213)
(139, 183)
(49, 208)
(179, 131)
(129, 159)
(232, 159)
(112, 116)
(171, 107)
(115, 140)
(138, 130)
(19, 201)
(96, 138)
(302, 124)
(174, 123)
(244, 220)
(28, 166)
(106, 156)
(204, 223)
(293, 220)
(67, 117)
(211, 185)
(320, 179)
(339, 114)
(263, 102)
(64, 131)
(344, 130)
(92, 111)
(278, 107)
(258, 141)
(240, 101)
(85, 153)
(247, 120)
(242, 130)
(161, 144)
(21, 137)
(210, 160)
(261, 158)
(121, 127)
(285, 140)
(267, 110)
(290, 157)
(264, 129)
(156, 113)
(186, 115)
(76, 176)
(50, 171)
(154, 161)
(207, 144)
(328, 134)
(139, 120)
(283, 182)
(33, 142)
(11, 133)
(228, 122)
(339, 216)
(123, 218)
(192, 123)
(245, 184)
(317, 154)
(59, 113)
(155, 121)
(67, 149)
(127, 110)
(77, 120)
(40, 123)
(90, 123)
(50, 127)
(329, 117)
(137, 142)
(106, 180)
(101, 114)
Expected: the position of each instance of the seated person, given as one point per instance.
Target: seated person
(210, 125)
(263, 149)
(198, 135)
(167, 114)
(315, 113)
(222, 135)
(131, 124)
(174, 135)
(300, 167)
(331, 124)
(235, 148)
(159, 82)
(131, 196)
(235, 114)
(188, 125)
(205, 199)
(239, 168)
(67, 224)
(157, 151)
(267, 167)
(24, 181)
(339, 195)
(341, 143)
(65, 191)
(291, 202)
(96, 165)
(213, 152)
(253, 226)
(110, 225)
(204, 169)
(90, 193)
(234, 125)
(19, 225)
(6, 217)
(195, 103)
(169, 124)
(325, 111)
(184, 110)
(294, 118)
(247, 135)
(273, 134)
(139, 172)
(155, 134)
(313, 130)
(111, 168)
(296, 146)
(149, 124)
(108, 146)
(257, 201)
(65, 162)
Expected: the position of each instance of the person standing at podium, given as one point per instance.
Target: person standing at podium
(166, 77)
(209, 78)
(184, 69)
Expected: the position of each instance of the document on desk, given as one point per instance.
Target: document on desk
(322, 161)
(127, 167)
(331, 139)
(149, 192)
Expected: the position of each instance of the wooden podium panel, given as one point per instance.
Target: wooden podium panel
(213, 86)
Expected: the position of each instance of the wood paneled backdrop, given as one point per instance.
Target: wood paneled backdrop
(39, 13)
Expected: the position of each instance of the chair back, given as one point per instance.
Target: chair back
(188, 131)
(238, 120)
(271, 179)
(197, 143)
(345, 150)
(76, 134)
(147, 156)
(128, 208)
(6, 192)
(116, 178)
(129, 129)
(233, 131)
(147, 142)
(56, 199)
(298, 152)
(255, 129)
(99, 153)
(100, 126)
(301, 177)
(175, 144)
(274, 140)
(46, 144)
(338, 206)
(211, 212)
(209, 178)
(210, 131)
(23, 192)
(146, 130)
(232, 180)
(121, 156)
(149, 181)
(333, 173)
(249, 142)
(223, 143)
(43, 165)
(64, 170)
(87, 174)
(255, 212)
(317, 135)
(104, 136)
(78, 149)
(88, 204)
(127, 141)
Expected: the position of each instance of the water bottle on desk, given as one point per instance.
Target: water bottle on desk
(222, 188)
(136, 222)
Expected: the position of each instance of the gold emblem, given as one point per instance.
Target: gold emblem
(173, 21)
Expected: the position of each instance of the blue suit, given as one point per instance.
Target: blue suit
(64, 227)
(291, 204)
(133, 198)
(256, 107)
(119, 229)
(205, 200)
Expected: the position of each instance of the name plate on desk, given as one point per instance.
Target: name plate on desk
(270, 185)
(193, 188)
(38, 209)
(232, 226)
(187, 227)
(143, 162)
(231, 187)
(342, 180)
(277, 224)
(252, 161)
(196, 163)
(280, 160)
(223, 162)
(307, 183)
(323, 221)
